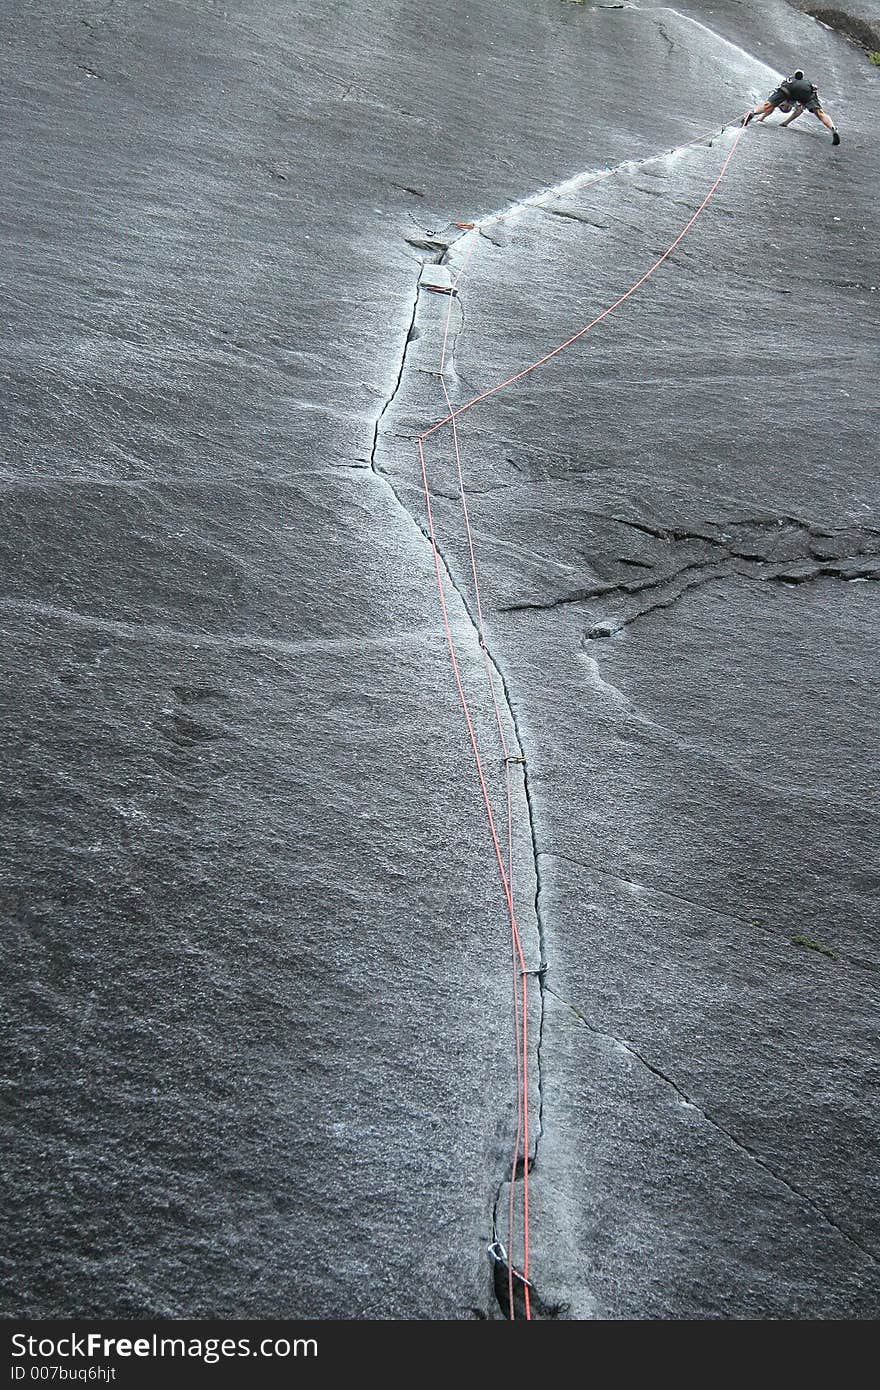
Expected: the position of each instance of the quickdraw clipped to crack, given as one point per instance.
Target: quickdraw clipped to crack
(509, 1282)
(517, 1296)
(539, 972)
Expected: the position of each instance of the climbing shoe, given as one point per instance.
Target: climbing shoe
(835, 138)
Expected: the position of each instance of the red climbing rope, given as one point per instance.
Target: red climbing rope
(517, 957)
(520, 973)
(554, 352)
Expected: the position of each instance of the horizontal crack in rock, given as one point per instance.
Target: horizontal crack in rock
(782, 550)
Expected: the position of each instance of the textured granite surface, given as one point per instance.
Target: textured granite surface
(257, 962)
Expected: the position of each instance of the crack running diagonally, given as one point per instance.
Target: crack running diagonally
(653, 890)
(716, 1124)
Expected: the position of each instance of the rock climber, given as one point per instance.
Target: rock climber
(796, 94)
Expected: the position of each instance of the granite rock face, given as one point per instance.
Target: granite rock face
(259, 978)
(860, 23)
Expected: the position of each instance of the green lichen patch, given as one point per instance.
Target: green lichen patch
(811, 944)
